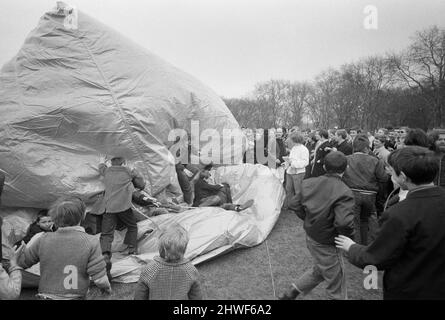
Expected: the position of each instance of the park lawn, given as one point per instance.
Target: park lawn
(258, 273)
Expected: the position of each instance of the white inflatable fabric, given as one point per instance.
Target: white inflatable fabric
(212, 230)
(77, 89)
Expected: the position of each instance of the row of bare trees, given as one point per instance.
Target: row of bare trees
(407, 88)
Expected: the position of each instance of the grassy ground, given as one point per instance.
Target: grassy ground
(259, 272)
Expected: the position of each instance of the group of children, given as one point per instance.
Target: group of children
(409, 246)
(69, 257)
(410, 243)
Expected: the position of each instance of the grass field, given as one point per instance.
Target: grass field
(257, 273)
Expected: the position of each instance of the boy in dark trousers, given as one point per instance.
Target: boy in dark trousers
(364, 175)
(326, 205)
(410, 246)
(120, 183)
(215, 195)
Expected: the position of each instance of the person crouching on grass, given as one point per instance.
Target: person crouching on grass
(169, 276)
(326, 205)
(120, 182)
(68, 257)
(410, 246)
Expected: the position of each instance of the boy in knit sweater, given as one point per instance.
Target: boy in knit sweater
(120, 182)
(170, 276)
(11, 277)
(68, 257)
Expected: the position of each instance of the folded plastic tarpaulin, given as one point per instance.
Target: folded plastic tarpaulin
(77, 89)
(212, 231)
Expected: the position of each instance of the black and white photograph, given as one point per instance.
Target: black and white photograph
(236, 152)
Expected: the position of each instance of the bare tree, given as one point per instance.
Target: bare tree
(422, 68)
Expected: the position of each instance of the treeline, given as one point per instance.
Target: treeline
(406, 88)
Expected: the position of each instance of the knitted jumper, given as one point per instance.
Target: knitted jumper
(162, 280)
(68, 258)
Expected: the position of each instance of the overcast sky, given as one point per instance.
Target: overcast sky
(231, 45)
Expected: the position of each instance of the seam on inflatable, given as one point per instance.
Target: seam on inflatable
(117, 104)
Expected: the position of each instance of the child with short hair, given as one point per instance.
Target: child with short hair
(365, 175)
(326, 205)
(169, 276)
(410, 245)
(296, 165)
(68, 257)
(120, 182)
(43, 223)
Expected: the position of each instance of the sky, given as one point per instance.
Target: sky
(231, 45)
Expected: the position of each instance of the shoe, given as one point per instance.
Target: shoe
(132, 250)
(289, 294)
(244, 206)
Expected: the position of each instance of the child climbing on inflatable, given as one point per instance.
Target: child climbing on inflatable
(120, 182)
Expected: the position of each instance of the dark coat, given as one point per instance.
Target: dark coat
(327, 208)
(345, 147)
(410, 247)
(203, 189)
(317, 167)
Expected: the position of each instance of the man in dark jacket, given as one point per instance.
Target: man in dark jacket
(215, 195)
(323, 148)
(327, 207)
(365, 175)
(343, 145)
(410, 246)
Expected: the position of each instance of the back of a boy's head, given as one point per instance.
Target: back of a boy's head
(360, 143)
(323, 133)
(173, 243)
(67, 212)
(117, 161)
(419, 164)
(335, 162)
(417, 137)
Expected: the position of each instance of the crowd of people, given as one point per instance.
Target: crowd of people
(378, 197)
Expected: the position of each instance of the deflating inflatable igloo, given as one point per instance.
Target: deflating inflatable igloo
(77, 89)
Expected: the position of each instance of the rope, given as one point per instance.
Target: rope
(270, 268)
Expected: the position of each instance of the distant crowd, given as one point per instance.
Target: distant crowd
(379, 197)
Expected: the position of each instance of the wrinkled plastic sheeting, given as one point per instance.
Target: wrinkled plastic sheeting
(212, 230)
(74, 92)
